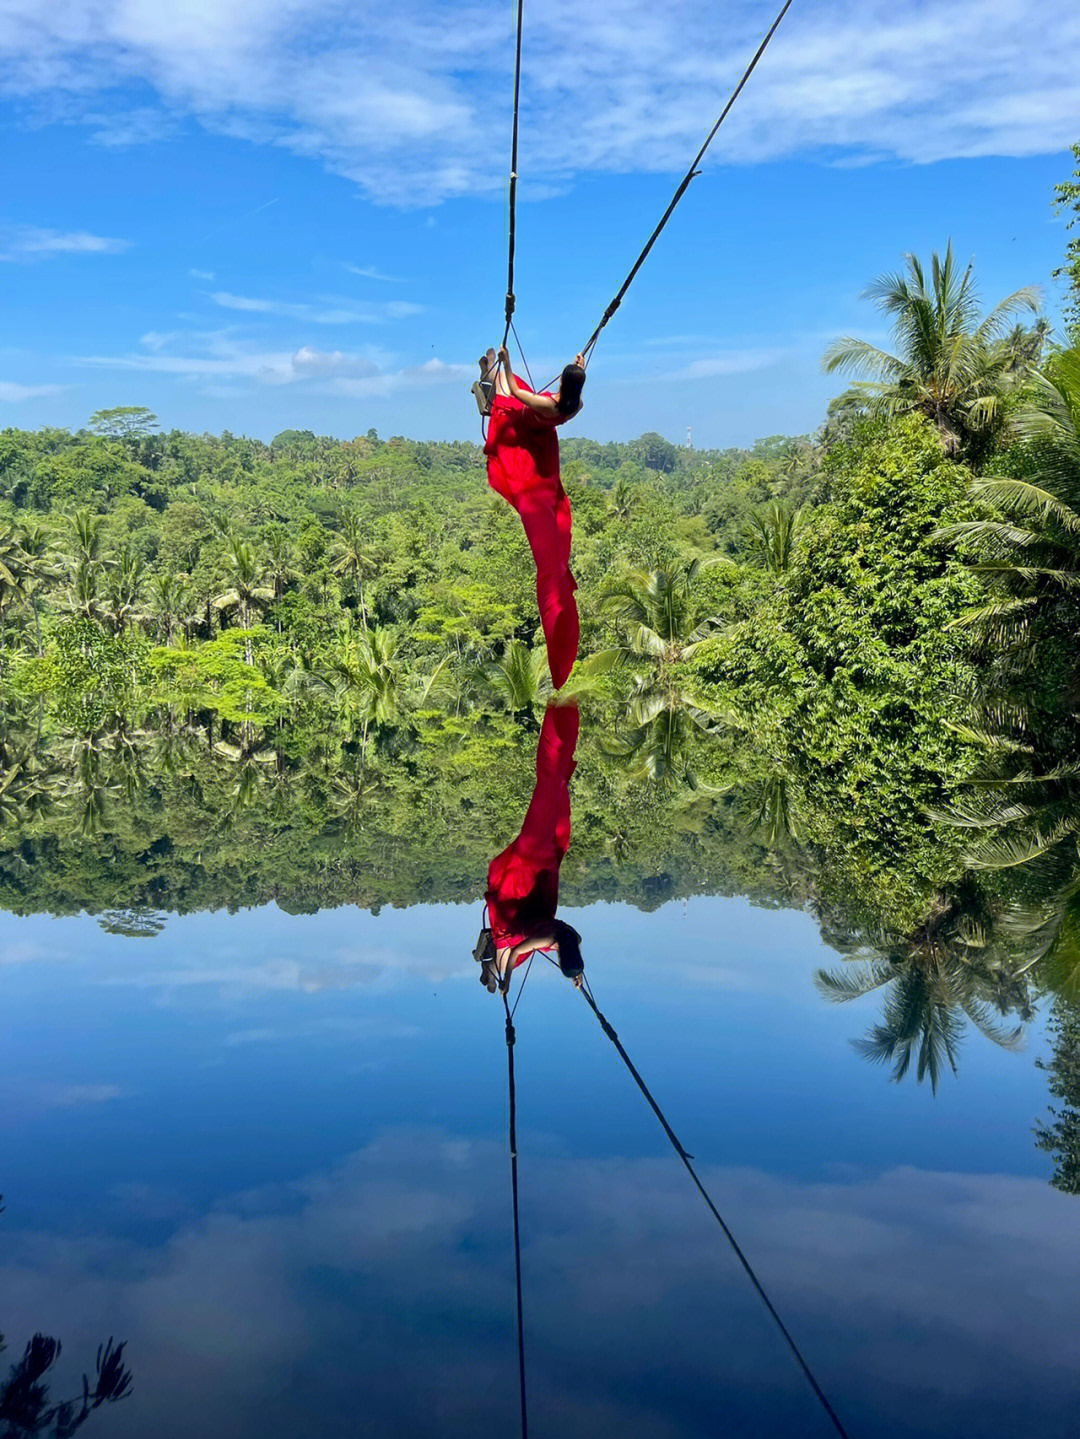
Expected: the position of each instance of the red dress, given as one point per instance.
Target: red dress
(523, 882)
(522, 451)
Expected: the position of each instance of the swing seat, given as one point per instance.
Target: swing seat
(484, 394)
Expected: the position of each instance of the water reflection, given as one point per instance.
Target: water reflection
(28, 1409)
(522, 893)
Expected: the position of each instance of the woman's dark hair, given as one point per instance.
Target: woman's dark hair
(570, 386)
(569, 942)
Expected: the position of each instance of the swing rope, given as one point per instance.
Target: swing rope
(513, 176)
(683, 186)
(510, 1038)
(586, 990)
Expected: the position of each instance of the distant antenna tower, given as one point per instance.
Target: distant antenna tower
(689, 438)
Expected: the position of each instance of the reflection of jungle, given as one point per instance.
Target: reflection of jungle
(26, 1407)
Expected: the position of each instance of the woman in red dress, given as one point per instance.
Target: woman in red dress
(523, 881)
(522, 452)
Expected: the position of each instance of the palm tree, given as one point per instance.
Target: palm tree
(366, 672)
(247, 594)
(122, 588)
(13, 575)
(38, 568)
(351, 558)
(1025, 346)
(87, 533)
(953, 365)
(657, 611)
(770, 533)
(280, 556)
(168, 598)
(622, 500)
(82, 597)
(521, 678)
(1030, 552)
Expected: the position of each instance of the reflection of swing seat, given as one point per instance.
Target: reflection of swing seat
(484, 394)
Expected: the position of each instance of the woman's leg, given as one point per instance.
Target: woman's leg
(545, 514)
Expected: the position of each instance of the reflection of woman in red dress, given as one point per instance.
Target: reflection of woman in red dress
(522, 451)
(523, 881)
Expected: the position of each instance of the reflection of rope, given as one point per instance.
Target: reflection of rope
(686, 1159)
(514, 1186)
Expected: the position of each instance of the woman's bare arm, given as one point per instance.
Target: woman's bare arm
(542, 404)
(538, 941)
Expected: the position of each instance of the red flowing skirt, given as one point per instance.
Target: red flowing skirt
(522, 452)
(523, 881)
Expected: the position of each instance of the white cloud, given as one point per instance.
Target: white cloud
(28, 243)
(201, 274)
(405, 102)
(13, 393)
(139, 126)
(72, 1096)
(331, 314)
(369, 272)
(733, 362)
(432, 372)
(220, 356)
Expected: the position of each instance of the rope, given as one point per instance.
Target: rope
(510, 1037)
(513, 176)
(586, 990)
(524, 361)
(693, 170)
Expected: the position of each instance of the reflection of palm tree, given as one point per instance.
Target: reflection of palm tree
(133, 923)
(1060, 1134)
(349, 799)
(24, 783)
(936, 980)
(1029, 823)
(773, 808)
(25, 1407)
(90, 790)
(952, 363)
(661, 732)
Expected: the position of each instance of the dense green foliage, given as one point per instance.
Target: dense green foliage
(1068, 199)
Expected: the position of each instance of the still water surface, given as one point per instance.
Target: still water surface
(269, 1152)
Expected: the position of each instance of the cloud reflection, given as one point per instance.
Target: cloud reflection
(376, 1298)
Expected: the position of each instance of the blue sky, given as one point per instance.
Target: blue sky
(271, 214)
